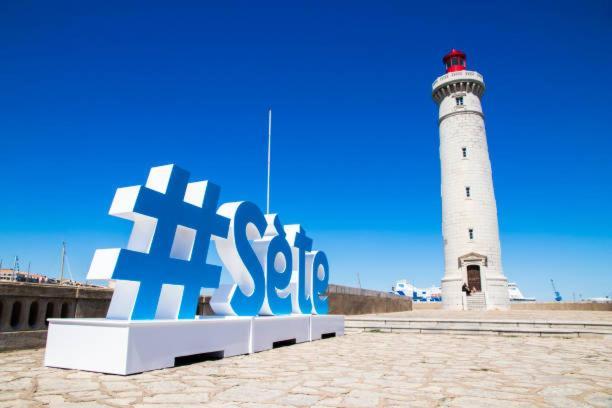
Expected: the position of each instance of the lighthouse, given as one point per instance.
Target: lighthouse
(472, 253)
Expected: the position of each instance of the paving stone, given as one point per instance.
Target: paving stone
(10, 395)
(249, 394)
(599, 399)
(63, 386)
(18, 404)
(87, 395)
(559, 391)
(120, 402)
(114, 386)
(19, 384)
(50, 399)
(187, 398)
(482, 402)
(298, 400)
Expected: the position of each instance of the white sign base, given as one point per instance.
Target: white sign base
(268, 330)
(322, 326)
(132, 346)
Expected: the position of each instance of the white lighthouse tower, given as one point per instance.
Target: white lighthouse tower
(470, 230)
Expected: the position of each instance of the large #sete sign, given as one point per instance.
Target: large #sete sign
(278, 292)
(162, 271)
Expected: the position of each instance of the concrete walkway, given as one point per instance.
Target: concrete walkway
(357, 370)
(513, 323)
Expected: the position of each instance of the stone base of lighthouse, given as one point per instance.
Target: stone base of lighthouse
(494, 294)
(452, 296)
(497, 293)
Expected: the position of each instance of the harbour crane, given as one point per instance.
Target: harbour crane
(558, 297)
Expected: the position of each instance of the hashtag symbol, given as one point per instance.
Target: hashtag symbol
(168, 247)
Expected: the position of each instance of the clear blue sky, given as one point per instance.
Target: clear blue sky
(93, 94)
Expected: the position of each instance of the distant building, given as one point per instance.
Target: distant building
(6, 274)
(20, 276)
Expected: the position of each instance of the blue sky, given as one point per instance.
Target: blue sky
(93, 94)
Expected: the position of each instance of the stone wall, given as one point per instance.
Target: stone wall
(604, 307)
(427, 306)
(346, 300)
(354, 301)
(25, 307)
(588, 306)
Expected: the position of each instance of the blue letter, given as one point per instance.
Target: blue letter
(247, 294)
(279, 275)
(301, 243)
(320, 278)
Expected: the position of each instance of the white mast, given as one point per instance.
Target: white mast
(15, 269)
(269, 152)
(63, 258)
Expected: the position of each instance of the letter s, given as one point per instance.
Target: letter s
(246, 295)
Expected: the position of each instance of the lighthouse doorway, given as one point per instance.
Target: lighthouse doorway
(473, 277)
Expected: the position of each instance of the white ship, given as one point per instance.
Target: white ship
(431, 294)
(434, 293)
(516, 295)
(605, 299)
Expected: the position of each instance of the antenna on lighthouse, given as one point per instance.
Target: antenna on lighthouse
(269, 152)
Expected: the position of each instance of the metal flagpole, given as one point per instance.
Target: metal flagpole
(269, 152)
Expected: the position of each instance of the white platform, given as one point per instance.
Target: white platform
(326, 325)
(267, 330)
(127, 347)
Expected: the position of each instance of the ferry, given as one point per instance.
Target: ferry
(516, 295)
(434, 293)
(431, 294)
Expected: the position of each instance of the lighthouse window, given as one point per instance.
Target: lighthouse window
(454, 61)
(459, 101)
(471, 233)
(464, 151)
(467, 192)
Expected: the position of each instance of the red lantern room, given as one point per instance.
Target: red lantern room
(454, 61)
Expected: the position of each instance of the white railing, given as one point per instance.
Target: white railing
(451, 76)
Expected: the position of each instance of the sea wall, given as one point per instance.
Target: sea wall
(588, 306)
(25, 307)
(345, 300)
(427, 306)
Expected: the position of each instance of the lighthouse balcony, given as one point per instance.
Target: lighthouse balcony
(459, 81)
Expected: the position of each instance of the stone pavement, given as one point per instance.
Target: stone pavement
(357, 370)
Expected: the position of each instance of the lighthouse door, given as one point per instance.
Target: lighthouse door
(473, 277)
